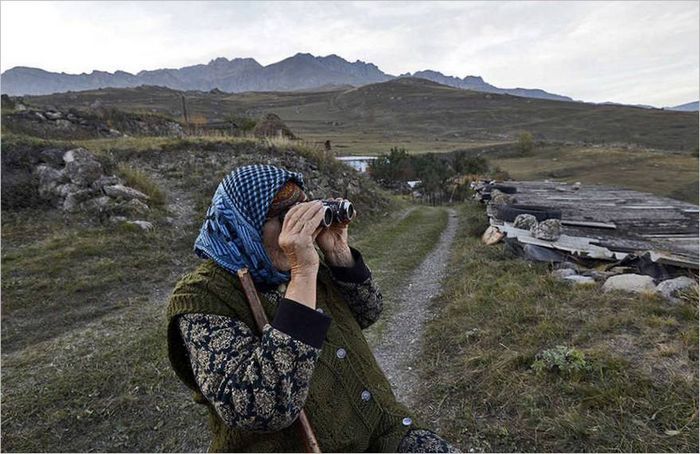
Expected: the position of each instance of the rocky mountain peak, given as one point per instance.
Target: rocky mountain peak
(302, 71)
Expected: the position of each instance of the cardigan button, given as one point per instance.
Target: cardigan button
(366, 395)
(319, 310)
(341, 353)
(407, 421)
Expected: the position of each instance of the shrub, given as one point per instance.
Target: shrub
(395, 166)
(475, 220)
(244, 124)
(526, 143)
(560, 359)
(465, 164)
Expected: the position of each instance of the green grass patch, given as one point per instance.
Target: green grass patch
(632, 364)
(105, 387)
(58, 273)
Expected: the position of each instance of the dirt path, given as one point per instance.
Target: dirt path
(402, 342)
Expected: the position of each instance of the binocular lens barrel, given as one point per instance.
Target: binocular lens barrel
(327, 217)
(350, 211)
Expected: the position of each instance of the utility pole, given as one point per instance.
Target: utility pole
(184, 110)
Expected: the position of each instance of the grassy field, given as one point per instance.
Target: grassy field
(629, 382)
(420, 114)
(672, 175)
(84, 365)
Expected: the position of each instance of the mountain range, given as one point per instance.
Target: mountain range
(299, 72)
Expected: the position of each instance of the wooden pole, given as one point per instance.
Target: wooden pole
(306, 432)
(184, 110)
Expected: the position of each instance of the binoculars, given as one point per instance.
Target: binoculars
(334, 211)
(338, 211)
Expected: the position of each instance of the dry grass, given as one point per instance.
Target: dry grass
(401, 112)
(638, 391)
(672, 175)
(140, 180)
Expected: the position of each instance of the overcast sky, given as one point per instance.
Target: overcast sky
(629, 52)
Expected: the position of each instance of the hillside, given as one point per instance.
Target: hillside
(476, 83)
(687, 107)
(424, 115)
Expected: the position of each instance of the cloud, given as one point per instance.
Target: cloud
(631, 52)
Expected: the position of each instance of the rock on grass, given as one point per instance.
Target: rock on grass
(634, 283)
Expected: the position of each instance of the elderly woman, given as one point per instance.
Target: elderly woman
(312, 355)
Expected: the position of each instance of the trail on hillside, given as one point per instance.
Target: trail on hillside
(402, 342)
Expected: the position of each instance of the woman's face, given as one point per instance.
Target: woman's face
(270, 235)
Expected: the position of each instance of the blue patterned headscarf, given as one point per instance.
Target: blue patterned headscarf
(231, 234)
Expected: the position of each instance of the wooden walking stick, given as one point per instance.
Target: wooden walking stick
(306, 432)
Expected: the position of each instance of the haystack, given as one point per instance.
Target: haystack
(271, 125)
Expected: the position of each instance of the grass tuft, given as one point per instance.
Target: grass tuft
(140, 180)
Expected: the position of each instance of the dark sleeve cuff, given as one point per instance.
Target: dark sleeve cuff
(356, 274)
(301, 322)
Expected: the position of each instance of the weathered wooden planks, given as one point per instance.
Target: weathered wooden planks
(609, 222)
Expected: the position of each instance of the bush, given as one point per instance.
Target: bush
(560, 359)
(244, 124)
(526, 143)
(464, 164)
(397, 166)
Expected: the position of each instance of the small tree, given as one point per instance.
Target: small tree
(526, 143)
(464, 163)
(242, 122)
(396, 166)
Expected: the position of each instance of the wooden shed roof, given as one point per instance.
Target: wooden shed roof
(620, 220)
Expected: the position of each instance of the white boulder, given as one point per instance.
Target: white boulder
(577, 279)
(635, 283)
(672, 287)
(144, 225)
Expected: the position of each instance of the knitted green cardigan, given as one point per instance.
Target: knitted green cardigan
(343, 421)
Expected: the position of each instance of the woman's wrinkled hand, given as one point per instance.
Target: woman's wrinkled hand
(299, 230)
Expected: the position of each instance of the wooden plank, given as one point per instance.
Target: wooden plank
(580, 246)
(642, 207)
(595, 225)
(673, 259)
